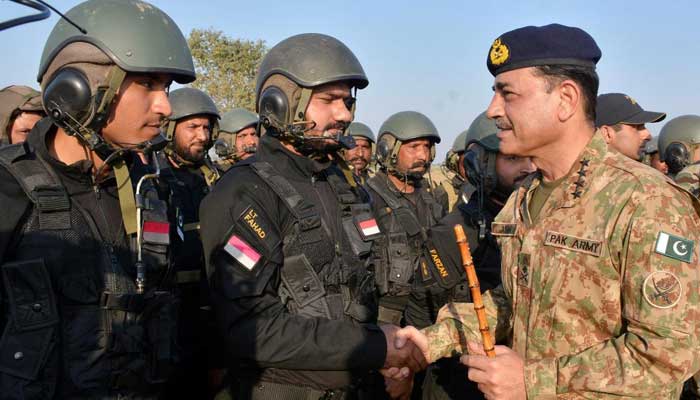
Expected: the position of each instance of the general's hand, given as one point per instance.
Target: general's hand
(405, 356)
(501, 377)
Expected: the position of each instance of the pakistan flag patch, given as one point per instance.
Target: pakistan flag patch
(675, 247)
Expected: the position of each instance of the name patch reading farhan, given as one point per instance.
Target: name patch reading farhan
(573, 243)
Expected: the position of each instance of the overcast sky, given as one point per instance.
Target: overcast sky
(431, 56)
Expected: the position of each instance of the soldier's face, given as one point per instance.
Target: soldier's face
(140, 105)
(361, 155)
(414, 157)
(525, 111)
(657, 164)
(246, 142)
(630, 140)
(511, 170)
(192, 136)
(23, 123)
(328, 110)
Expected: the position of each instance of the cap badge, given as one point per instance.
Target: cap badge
(499, 52)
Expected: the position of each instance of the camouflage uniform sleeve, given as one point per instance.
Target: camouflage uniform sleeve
(689, 179)
(656, 250)
(457, 323)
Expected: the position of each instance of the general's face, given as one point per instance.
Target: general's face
(141, 103)
(246, 142)
(192, 135)
(22, 125)
(360, 156)
(524, 111)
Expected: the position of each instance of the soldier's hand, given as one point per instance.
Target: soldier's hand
(501, 377)
(413, 335)
(406, 356)
(399, 389)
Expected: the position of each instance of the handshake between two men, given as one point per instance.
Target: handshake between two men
(410, 350)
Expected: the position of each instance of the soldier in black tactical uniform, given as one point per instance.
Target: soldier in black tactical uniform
(288, 239)
(360, 157)
(20, 110)
(184, 171)
(403, 204)
(494, 175)
(87, 309)
(237, 139)
(455, 189)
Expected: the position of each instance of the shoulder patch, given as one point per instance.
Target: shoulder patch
(662, 289)
(250, 220)
(674, 247)
(242, 252)
(573, 243)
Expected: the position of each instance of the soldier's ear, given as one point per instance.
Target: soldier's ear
(570, 100)
(607, 132)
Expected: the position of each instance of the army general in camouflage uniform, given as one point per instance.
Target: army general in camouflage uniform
(599, 253)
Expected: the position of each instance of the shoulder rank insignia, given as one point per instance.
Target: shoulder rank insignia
(674, 247)
(662, 289)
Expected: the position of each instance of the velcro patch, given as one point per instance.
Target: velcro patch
(573, 243)
(662, 289)
(368, 228)
(242, 252)
(250, 219)
(503, 229)
(156, 232)
(674, 247)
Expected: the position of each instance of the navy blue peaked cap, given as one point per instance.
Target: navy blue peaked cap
(531, 46)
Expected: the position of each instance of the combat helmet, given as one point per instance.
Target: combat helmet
(123, 36)
(189, 102)
(233, 122)
(480, 159)
(677, 141)
(399, 128)
(452, 156)
(289, 72)
(14, 100)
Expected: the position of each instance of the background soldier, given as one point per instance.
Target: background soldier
(190, 127)
(403, 205)
(288, 240)
(652, 156)
(455, 188)
(679, 145)
(586, 282)
(20, 109)
(621, 122)
(87, 308)
(494, 175)
(360, 157)
(238, 138)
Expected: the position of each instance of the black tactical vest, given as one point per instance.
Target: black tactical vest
(75, 326)
(403, 238)
(322, 275)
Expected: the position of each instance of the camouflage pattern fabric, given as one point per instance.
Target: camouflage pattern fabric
(600, 298)
(689, 179)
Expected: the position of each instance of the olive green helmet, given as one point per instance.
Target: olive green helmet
(677, 140)
(652, 145)
(290, 71)
(358, 129)
(187, 102)
(452, 156)
(401, 127)
(135, 35)
(483, 131)
(14, 100)
(233, 122)
(458, 144)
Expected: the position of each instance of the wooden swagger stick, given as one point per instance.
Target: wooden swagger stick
(473, 281)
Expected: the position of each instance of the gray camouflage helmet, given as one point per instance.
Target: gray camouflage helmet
(236, 120)
(458, 144)
(135, 35)
(358, 129)
(684, 129)
(310, 60)
(483, 131)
